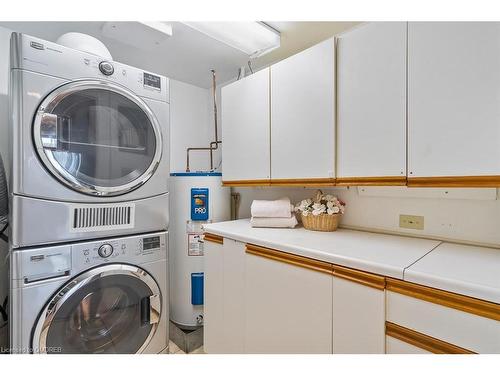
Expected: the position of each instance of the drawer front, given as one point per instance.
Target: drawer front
(396, 346)
(465, 330)
(425, 342)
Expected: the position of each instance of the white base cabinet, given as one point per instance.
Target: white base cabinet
(464, 330)
(224, 309)
(358, 318)
(260, 300)
(234, 305)
(288, 308)
(213, 337)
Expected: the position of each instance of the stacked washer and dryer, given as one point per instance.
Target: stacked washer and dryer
(88, 219)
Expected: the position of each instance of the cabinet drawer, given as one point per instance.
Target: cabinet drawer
(469, 331)
(415, 339)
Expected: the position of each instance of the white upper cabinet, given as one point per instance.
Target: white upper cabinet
(303, 114)
(371, 89)
(245, 128)
(453, 99)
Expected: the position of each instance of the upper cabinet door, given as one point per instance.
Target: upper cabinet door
(245, 128)
(303, 115)
(371, 97)
(454, 103)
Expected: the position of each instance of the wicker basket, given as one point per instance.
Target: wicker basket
(323, 222)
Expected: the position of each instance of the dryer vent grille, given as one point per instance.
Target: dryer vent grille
(101, 217)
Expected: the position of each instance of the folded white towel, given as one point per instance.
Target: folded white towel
(273, 222)
(278, 208)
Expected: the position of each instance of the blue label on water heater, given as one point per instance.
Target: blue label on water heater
(199, 204)
(197, 288)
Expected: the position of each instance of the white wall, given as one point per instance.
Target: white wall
(191, 117)
(475, 220)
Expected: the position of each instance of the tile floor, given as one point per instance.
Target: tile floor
(174, 349)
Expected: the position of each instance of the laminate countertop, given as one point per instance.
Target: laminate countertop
(382, 254)
(469, 270)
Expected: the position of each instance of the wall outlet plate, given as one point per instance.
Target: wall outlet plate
(411, 222)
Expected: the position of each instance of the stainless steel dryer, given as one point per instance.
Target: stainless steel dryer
(90, 145)
(107, 296)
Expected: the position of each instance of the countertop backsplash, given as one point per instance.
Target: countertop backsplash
(470, 216)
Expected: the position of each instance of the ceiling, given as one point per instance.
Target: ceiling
(189, 55)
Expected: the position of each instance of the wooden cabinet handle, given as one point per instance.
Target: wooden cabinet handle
(295, 260)
(455, 181)
(372, 181)
(360, 277)
(237, 183)
(422, 341)
(209, 237)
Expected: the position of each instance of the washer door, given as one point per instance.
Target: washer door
(110, 309)
(97, 137)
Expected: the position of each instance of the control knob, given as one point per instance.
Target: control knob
(106, 68)
(105, 250)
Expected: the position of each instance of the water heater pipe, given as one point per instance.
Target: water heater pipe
(214, 145)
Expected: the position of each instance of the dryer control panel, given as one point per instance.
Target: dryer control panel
(41, 56)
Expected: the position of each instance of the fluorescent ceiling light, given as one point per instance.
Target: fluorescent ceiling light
(253, 38)
(161, 27)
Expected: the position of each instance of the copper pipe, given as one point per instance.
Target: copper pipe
(199, 149)
(214, 145)
(214, 96)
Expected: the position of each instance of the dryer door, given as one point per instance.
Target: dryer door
(97, 137)
(109, 309)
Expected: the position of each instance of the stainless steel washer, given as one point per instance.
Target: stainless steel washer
(90, 146)
(108, 296)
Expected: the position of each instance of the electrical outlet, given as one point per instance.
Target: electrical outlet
(411, 222)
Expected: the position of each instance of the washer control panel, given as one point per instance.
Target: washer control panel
(127, 250)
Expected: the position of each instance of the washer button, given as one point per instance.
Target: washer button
(105, 250)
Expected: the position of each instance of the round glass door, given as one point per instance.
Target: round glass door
(110, 309)
(97, 137)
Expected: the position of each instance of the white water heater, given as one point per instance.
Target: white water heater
(195, 199)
